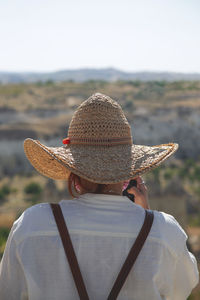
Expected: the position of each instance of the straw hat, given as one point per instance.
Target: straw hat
(99, 147)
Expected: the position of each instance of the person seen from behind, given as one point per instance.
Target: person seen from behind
(99, 245)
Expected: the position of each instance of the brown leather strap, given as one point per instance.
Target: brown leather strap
(70, 254)
(69, 251)
(132, 256)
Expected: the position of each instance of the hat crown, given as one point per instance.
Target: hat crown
(99, 120)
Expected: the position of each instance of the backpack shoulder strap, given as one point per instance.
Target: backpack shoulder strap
(69, 251)
(73, 263)
(133, 254)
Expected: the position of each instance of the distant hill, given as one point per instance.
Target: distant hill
(107, 74)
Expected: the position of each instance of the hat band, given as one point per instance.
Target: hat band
(101, 141)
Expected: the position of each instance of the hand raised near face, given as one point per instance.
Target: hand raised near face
(140, 193)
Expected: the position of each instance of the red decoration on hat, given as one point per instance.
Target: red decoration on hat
(66, 141)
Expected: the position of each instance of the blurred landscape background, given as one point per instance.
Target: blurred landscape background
(158, 111)
(144, 54)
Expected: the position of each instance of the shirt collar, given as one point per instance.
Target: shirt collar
(105, 199)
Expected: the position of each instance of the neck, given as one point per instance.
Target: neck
(108, 189)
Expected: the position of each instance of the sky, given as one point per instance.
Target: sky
(130, 35)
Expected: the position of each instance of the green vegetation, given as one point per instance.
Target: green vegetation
(44, 94)
(4, 232)
(33, 188)
(194, 221)
(4, 192)
(33, 191)
(12, 90)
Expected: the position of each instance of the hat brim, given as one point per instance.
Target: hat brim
(100, 166)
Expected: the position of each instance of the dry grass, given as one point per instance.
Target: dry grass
(7, 219)
(66, 95)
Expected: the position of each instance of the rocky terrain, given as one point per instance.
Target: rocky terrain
(158, 112)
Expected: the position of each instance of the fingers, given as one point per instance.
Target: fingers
(139, 179)
(141, 197)
(133, 190)
(141, 188)
(141, 185)
(140, 193)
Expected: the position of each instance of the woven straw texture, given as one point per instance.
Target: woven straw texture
(101, 148)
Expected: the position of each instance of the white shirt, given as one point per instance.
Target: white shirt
(103, 229)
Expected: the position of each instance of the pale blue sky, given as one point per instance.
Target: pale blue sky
(142, 35)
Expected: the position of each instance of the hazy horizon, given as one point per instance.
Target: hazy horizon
(95, 68)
